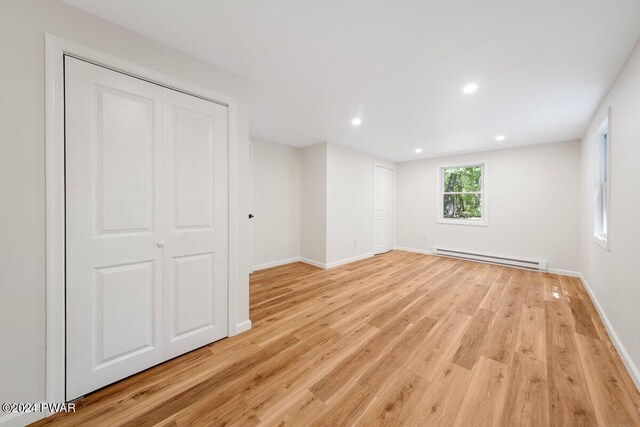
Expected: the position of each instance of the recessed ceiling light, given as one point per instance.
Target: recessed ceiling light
(356, 122)
(418, 150)
(500, 138)
(470, 88)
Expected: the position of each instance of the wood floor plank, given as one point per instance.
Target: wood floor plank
(235, 412)
(469, 304)
(348, 410)
(513, 299)
(485, 401)
(500, 343)
(397, 339)
(534, 291)
(355, 363)
(435, 349)
(570, 288)
(468, 349)
(395, 401)
(493, 299)
(441, 400)
(532, 337)
(395, 359)
(302, 410)
(528, 396)
(583, 323)
(299, 377)
(612, 403)
(569, 400)
(212, 389)
(446, 298)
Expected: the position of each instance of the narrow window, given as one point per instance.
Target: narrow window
(601, 172)
(462, 198)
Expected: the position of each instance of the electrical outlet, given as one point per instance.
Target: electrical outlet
(355, 243)
(424, 238)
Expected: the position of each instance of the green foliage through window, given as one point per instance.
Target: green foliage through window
(462, 192)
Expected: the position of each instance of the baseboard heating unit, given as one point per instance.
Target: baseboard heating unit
(490, 259)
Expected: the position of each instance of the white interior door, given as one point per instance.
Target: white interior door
(382, 209)
(146, 224)
(195, 247)
(114, 220)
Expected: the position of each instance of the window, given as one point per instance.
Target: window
(602, 190)
(461, 194)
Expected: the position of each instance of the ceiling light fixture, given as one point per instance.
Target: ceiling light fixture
(357, 121)
(470, 88)
(500, 138)
(418, 150)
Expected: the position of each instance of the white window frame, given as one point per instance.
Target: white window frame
(483, 221)
(602, 182)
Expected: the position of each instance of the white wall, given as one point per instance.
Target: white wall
(613, 275)
(350, 203)
(532, 205)
(336, 200)
(313, 204)
(276, 201)
(22, 173)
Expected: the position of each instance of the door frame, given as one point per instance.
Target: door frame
(55, 50)
(252, 204)
(373, 205)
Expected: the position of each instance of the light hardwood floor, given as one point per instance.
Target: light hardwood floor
(398, 339)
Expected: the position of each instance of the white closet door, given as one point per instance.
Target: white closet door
(114, 221)
(383, 209)
(195, 251)
(147, 232)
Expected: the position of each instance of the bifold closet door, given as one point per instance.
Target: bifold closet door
(146, 224)
(195, 252)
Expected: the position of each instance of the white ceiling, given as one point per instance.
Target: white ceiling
(312, 65)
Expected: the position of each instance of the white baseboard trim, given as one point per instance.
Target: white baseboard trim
(324, 266)
(562, 272)
(21, 419)
(243, 326)
(626, 359)
(349, 260)
(416, 250)
(314, 263)
(275, 263)
(338, 263)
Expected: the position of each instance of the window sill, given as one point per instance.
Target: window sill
(477, 223)
(604, 243)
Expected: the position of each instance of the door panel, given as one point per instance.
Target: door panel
(113, 208)
(125, 142)
(194, 294)
(193, 151)
(195, 253)
(125, 320)
(383, 209)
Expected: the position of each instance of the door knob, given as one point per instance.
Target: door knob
(160, 244)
